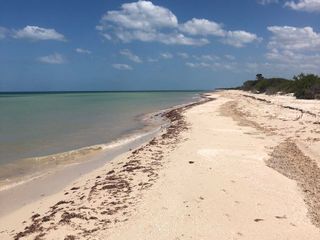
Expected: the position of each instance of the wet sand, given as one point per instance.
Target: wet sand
(232, 167)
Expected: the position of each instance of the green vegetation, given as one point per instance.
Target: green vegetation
(303, 86)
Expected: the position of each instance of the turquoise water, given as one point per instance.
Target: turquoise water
(33, 125)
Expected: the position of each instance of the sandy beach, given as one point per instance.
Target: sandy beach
(234, 166)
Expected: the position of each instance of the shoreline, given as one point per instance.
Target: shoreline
(208, 175)
(170, 132)
(53, 181)
(72, 157)
(34, 167)
(31, 188)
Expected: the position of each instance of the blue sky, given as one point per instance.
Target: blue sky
(145, 45)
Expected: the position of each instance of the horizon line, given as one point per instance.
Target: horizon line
(101, 91)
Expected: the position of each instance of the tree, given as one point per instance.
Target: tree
(259, 77)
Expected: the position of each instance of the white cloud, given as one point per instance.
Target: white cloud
(294, 48)
(180, 39)
(155, 36)
(146, 22)
(127, 53)
(304, 5)
(205, 27)
(213, 62)
(37, 33)
(301, 62)
(202, 27)
(292, 38)
(107, 36)
(142, 15)
(120, 66)
(3, 32)
(55, 58)
(166, 55)
(83, 51)
(240, 38)
(143, 21)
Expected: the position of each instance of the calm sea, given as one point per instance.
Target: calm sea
(40, 124)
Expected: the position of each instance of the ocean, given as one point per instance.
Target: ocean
(36, 125)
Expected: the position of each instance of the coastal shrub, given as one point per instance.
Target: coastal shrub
(307, 86)
(249, 85)
(269, 86)
(303, 86)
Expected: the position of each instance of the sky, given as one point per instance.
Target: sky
(79, 45)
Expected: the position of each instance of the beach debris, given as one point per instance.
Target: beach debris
(105, 199)
(291, 162)
(258, 220)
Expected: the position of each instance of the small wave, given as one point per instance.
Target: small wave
(26, 170)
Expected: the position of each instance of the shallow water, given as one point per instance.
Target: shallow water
(39, 124)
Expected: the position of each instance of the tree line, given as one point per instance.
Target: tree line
(303, 86)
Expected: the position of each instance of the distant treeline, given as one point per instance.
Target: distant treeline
(303, 86)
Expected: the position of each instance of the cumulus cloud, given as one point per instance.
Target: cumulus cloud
(142, 15)
(55, 58)
(304, 5)
(120, 66)
(202, 27)
(36, 33)
(240, 38)
(294, 61)
(82, 51)
(302, 62)
(295, 48)
(205, 27)
(147, 22)
(213, 62)
(291, 56)
(293, 38)
(144, 21)
(154, 36)
(127, 53)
